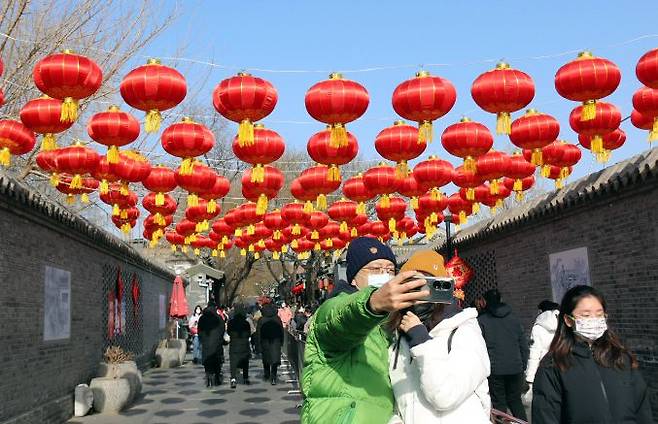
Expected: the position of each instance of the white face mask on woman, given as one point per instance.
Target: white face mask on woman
(590, 328)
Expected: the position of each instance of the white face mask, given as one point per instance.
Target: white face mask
(378, 280)
(591, 328)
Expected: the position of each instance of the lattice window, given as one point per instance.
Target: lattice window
(484, 265)
(127, 330)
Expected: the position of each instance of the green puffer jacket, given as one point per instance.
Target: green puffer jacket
(345, 379)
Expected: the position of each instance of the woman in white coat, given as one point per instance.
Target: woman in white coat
(541, 337)
(439, 365)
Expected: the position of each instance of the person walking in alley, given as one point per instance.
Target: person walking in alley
(508, 354)
(270, 339)
(285, 314)
(345, 377)
(588, 375)
(193, 323)
(540, 340)
(239, 350)
(426, 364)
(211, 332)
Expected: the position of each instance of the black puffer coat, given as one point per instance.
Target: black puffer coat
(588, 393)
(506, 342)
(211, 333)
(239, 330)
(270, 334)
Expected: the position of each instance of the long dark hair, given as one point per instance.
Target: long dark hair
(608, 351)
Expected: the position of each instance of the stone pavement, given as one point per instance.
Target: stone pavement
(180, 396)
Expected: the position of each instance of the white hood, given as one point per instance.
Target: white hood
(447, 325)
(548, 320)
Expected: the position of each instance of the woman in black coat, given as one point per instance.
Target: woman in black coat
(270, 334)
(211, 329)
(239, 349)
(588, 376)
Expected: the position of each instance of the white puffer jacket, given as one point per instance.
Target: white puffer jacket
(542, 335)
(442, 387)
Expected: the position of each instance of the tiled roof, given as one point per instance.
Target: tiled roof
(17, 194)
(636, 170)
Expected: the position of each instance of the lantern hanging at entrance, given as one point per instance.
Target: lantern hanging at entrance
(245, 99)
(187, 139)
(399, 143)
(268, 147)
(611, 141)
(424, 99)
(607, 119)
(467, 140)
(356, 190)
(68, 77)
(42, 116)
(15, 139)
(77, 160)
(381, 179)
(587, 79)
(319, 148)
(336, 102)
(534, 131)
(160, 180)
(113, 128)
(503, 90)
(153, 88)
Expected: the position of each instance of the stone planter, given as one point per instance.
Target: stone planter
(168, 357)
(181, 346)
(110, 394)
(127, 370)
(84, 400)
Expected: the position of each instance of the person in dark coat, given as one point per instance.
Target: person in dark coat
(588, 375)
(270, 334)
(211, 329)
(239, 348)
(508, 353)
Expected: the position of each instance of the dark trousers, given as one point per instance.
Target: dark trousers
(505, 391)
(269, 370)
(242, 363)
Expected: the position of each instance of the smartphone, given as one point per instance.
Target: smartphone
(441, 289)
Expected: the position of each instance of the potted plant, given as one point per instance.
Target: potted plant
(121, 364)
(112, 392)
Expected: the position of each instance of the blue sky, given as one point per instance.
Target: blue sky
(470, 37)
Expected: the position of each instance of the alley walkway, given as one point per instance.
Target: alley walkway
(179, 396)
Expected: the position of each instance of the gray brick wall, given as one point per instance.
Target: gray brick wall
(37, 378)
(620, 233)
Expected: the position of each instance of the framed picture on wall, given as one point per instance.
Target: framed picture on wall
(568, 268)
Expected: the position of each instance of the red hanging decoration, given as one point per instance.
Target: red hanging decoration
(316, 222)
(220, 189)
(467, 140)
(647, 69)
(356, 190)
(518, 169)
(645, 101)
(77, 160)
(316, 180)
(611, 141)
(159, 211)
(320, 149)
(299, 193)
(160, 180)
(534, 131)
(399, 143)
(383, 180)
(460, 270)
(606, 120)
(42, 116)
(200, 180)
(274, 222)
(525, 184)
(186, 140)
(468, 181)
(262, 191)
(492, 166)
(392, 213)
(410, 188)
(132, 167)
(343, 212)
(268, 147)
(432, 174)
(113, 128)
(15, 139)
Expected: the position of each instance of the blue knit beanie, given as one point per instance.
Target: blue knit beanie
(362, 251)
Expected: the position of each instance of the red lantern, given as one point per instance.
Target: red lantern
(89, 185)
(406, 228)
(319, 148)
(160, 180)
(607, 119)
(641, 121)
(430, 209)
(274, 222)
(492, 166)
(186, 228)
(153, 88)
(336, 102)
(118, 200)
(174, 239)
(200, 180)
(503, 90)
(220, 189)
(558, 174)
(534, 131)
(293, 214)
(248, 216)
(113, 129)
(266, 189)
(223, 229)
(424, 99)
(382, 180)
(399, 143)
(329, 231)
(104, 174)
(68, 77)
(434, 173)
(42, 116)
(392, 213)
(316, 180)
(186, 140)
(645, 101)
(316, 222)
(460, 207)
(525, 184)
(379, 230)
(245, 99)
(47, 161)
(467, 140)
(132, 167)
(518, 169)
(15, 139)
(410, 188)
(200, 215)
(77, 160)
(299, 193)
(611, 141)
(128, 223)
(167, 207)
(647, 69)
(587, 79)
(268, 147)
(468, 181)
(356, 190)
(566, 157)
(343, 211)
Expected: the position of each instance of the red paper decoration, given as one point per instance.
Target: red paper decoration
(399, 143)
(113, 129)
(467, 140)
(268, 147)
(606, 120)
(534, 131)
(383, 180)
(186, 140)
(42, 116)
(320, 149)
(15, 139)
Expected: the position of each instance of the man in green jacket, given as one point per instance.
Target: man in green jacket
(345, 379)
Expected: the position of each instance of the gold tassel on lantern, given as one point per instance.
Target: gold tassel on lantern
(222, 254)
(261, 205)
(470, 165)
(192, 200)
(330, 243)
(462, 216)
(425, 132)
(519, 196)
(317, 247)
(391, 225)
(294, 244)
(321, 202)
(499, 203)
(470, 194)
(414, 202)
(559, 183)
(104, 187)
(597, 144)
(354, 232)
(537, 157)
(70, 199)
(333, 173)
(589, 110)
(186, 166)
(214, 253)
(503, 123)
(76, 182)
(224, 240)
(48, 142)
(246, 133)
(402, 169)
(276, 235)
(275, 255)
(251, 248)
(113, 154)
(84, 198)
(125, 190)
(5, 157)
(518, 185)
(243, 252)
(296, 230)
(199, 227)
(69, 110)
(545, 171)
(343, 226)
(125, 228)
(315, 235)
(173, 248)
(212, 206)
(54, 181)
(251, 230)
(436, 194)
(183, 249)
(257, 255)
(308, 206)
(361, 208)
(123, 214)
(604, 156)
(261, 243)
(238, 232)
(338, 136)
(475, 208)
(653, 134)
(258, 173)
(384, 201)
(159, 199)
(493, 187)
(153, 121)
(284, 248)
(115, 210)
(564, 173)
(193, 238)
